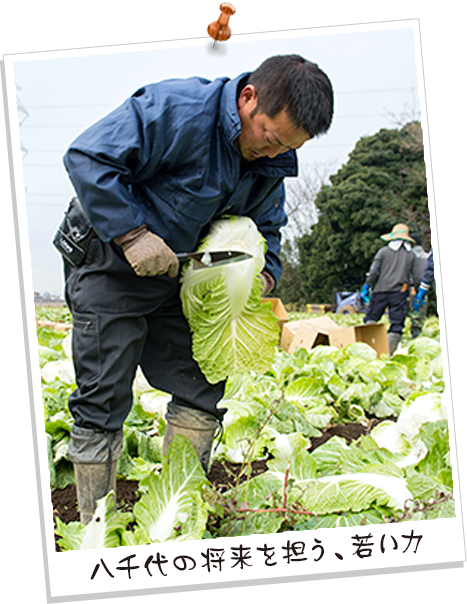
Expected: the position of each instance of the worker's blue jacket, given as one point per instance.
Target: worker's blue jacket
(166, 157)
(429, 274)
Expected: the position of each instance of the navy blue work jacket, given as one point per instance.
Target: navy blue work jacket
(429, 274)
(166, 157)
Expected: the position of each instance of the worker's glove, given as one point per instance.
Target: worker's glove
(419, 299)
(147, 253)
(267, 283)
(365, 293)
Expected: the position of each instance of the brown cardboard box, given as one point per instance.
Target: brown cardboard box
(306, 334)
(279, 310)
(288, 333)
(373, 334)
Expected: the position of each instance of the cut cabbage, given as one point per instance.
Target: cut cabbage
(233, 331)
(425, 408)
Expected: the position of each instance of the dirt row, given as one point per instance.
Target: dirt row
(222, 475)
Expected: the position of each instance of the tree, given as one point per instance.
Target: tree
(382, 183)
(300, 206)
(302, 215)
(290, 288)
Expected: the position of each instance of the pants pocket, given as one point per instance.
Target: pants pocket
(86, 349)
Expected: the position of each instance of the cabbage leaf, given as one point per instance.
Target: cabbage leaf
(171, 507)
(233, 331)
(104, 530)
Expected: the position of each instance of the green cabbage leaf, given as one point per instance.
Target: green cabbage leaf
(233, 331)
(171, 507)
(105, 529)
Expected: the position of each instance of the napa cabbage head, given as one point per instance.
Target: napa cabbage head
(233, 331)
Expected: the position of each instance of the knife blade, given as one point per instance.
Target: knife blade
(210, 259)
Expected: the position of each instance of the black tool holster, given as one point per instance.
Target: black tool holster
(74, 234)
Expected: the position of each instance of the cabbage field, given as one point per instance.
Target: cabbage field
(324, 438)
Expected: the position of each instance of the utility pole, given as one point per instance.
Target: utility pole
(23, 115)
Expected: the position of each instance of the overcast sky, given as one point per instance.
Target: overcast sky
(374, 75)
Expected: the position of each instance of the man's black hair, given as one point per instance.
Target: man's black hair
(416, 237)
(292, 83)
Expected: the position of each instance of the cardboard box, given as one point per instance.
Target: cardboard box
(320, 308)
(279, 310)
(288, 333)
(374, 334)
(306, 334)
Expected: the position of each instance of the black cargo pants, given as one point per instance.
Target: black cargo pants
(396, 302)
(121, 321)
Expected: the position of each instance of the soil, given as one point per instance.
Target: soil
(222, 475)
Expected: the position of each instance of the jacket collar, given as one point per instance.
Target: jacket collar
(285, 164)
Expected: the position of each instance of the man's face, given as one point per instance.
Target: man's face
(262, 136)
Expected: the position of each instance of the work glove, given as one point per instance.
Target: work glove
(419, 299)
(147, 253)
(267, 283)
(365, 293)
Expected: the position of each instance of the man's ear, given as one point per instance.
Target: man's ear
(247, 95)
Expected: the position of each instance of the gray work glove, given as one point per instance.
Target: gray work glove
(267, 283)
(147, 253)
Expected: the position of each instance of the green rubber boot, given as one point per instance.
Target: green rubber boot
(93, 481)
(393, 341)
(198, 426)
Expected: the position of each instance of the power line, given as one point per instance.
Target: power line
(41, 204)
(56, 126)
(47, 194)
(59, 165)
(71, 106)
(336, 117)
(336, 92)
(375, 90)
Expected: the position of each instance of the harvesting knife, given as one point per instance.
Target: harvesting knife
(212, 259)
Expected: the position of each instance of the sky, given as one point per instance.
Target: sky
(373, 72)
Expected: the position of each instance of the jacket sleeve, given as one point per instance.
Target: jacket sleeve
(417, 272)
(108, 157)
(429, 274)
(375, 268)
(269, 224)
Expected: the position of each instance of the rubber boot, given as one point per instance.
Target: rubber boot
(198, 426)
(93, 481)
(393, 341)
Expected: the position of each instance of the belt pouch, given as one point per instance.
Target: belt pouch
(74, 234)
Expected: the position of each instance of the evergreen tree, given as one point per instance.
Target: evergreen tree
(383, 183)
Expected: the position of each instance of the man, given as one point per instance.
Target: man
(151, 177)
(417, 315)
(428, 278)
(389, 276)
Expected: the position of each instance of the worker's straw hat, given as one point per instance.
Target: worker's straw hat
(399, 231)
